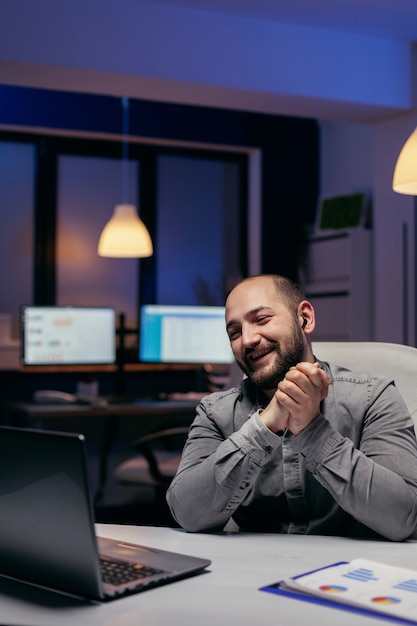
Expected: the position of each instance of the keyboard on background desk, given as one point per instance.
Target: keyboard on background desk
(159, 399)
(52, 396)
(194, 396)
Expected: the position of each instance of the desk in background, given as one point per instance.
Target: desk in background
(34, 414)
(148, 414)
(227, 594)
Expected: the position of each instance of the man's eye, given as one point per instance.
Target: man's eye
(233, 334)
(262, 319)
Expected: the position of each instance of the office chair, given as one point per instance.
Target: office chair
(157, 457)
(392, 360)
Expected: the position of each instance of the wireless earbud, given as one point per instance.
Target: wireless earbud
(304, 322)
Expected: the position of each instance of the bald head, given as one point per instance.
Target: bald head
(269, 323)
(286, 290)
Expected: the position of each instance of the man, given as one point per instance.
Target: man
(300, 446)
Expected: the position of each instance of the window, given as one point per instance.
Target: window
(60, 192)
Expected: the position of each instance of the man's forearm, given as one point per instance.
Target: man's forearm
(207, 490)
(370, 488)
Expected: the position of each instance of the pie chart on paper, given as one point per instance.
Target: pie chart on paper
(333, 588)
(386, 600)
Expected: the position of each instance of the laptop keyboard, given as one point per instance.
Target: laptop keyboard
(120, 572)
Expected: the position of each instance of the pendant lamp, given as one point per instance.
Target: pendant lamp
(405, 173)
(125, 235)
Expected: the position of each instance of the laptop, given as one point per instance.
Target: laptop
(47, 533)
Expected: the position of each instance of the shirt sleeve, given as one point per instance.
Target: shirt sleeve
(375, 479)
(216, 473)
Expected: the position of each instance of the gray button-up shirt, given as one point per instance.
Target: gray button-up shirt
(352, 471)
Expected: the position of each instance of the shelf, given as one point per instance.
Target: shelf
(337, 278)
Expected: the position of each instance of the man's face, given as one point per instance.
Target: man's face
(265, 337)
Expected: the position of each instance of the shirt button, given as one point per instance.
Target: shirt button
(268, 449)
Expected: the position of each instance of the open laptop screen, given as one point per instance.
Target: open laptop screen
(68, 335)
(183, 334)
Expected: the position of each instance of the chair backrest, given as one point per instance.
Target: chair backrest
(392, 360)
(158, 458)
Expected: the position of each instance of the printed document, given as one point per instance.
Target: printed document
(364, 584)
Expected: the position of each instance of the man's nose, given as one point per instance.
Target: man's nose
(250, 336)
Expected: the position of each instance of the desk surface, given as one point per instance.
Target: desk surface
(227, 594)
(139, 407)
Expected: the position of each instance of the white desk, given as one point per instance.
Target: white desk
(227, 594)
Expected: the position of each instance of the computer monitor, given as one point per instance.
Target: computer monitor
(183, 334)
(68, 335)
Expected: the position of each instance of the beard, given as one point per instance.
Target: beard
(287, 356)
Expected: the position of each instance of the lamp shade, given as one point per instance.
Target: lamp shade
(405, 173)
(125, 235)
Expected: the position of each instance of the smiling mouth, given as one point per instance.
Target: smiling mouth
(259, 355)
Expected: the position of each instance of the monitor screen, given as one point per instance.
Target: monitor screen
(68, 335)
(183, 334)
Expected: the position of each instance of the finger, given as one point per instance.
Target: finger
(312, 370)
(297, 389)
(318, 377)
(297, 379)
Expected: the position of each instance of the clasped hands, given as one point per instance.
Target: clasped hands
(296, 401)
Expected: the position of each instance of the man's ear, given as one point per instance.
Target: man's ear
(307, 316)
